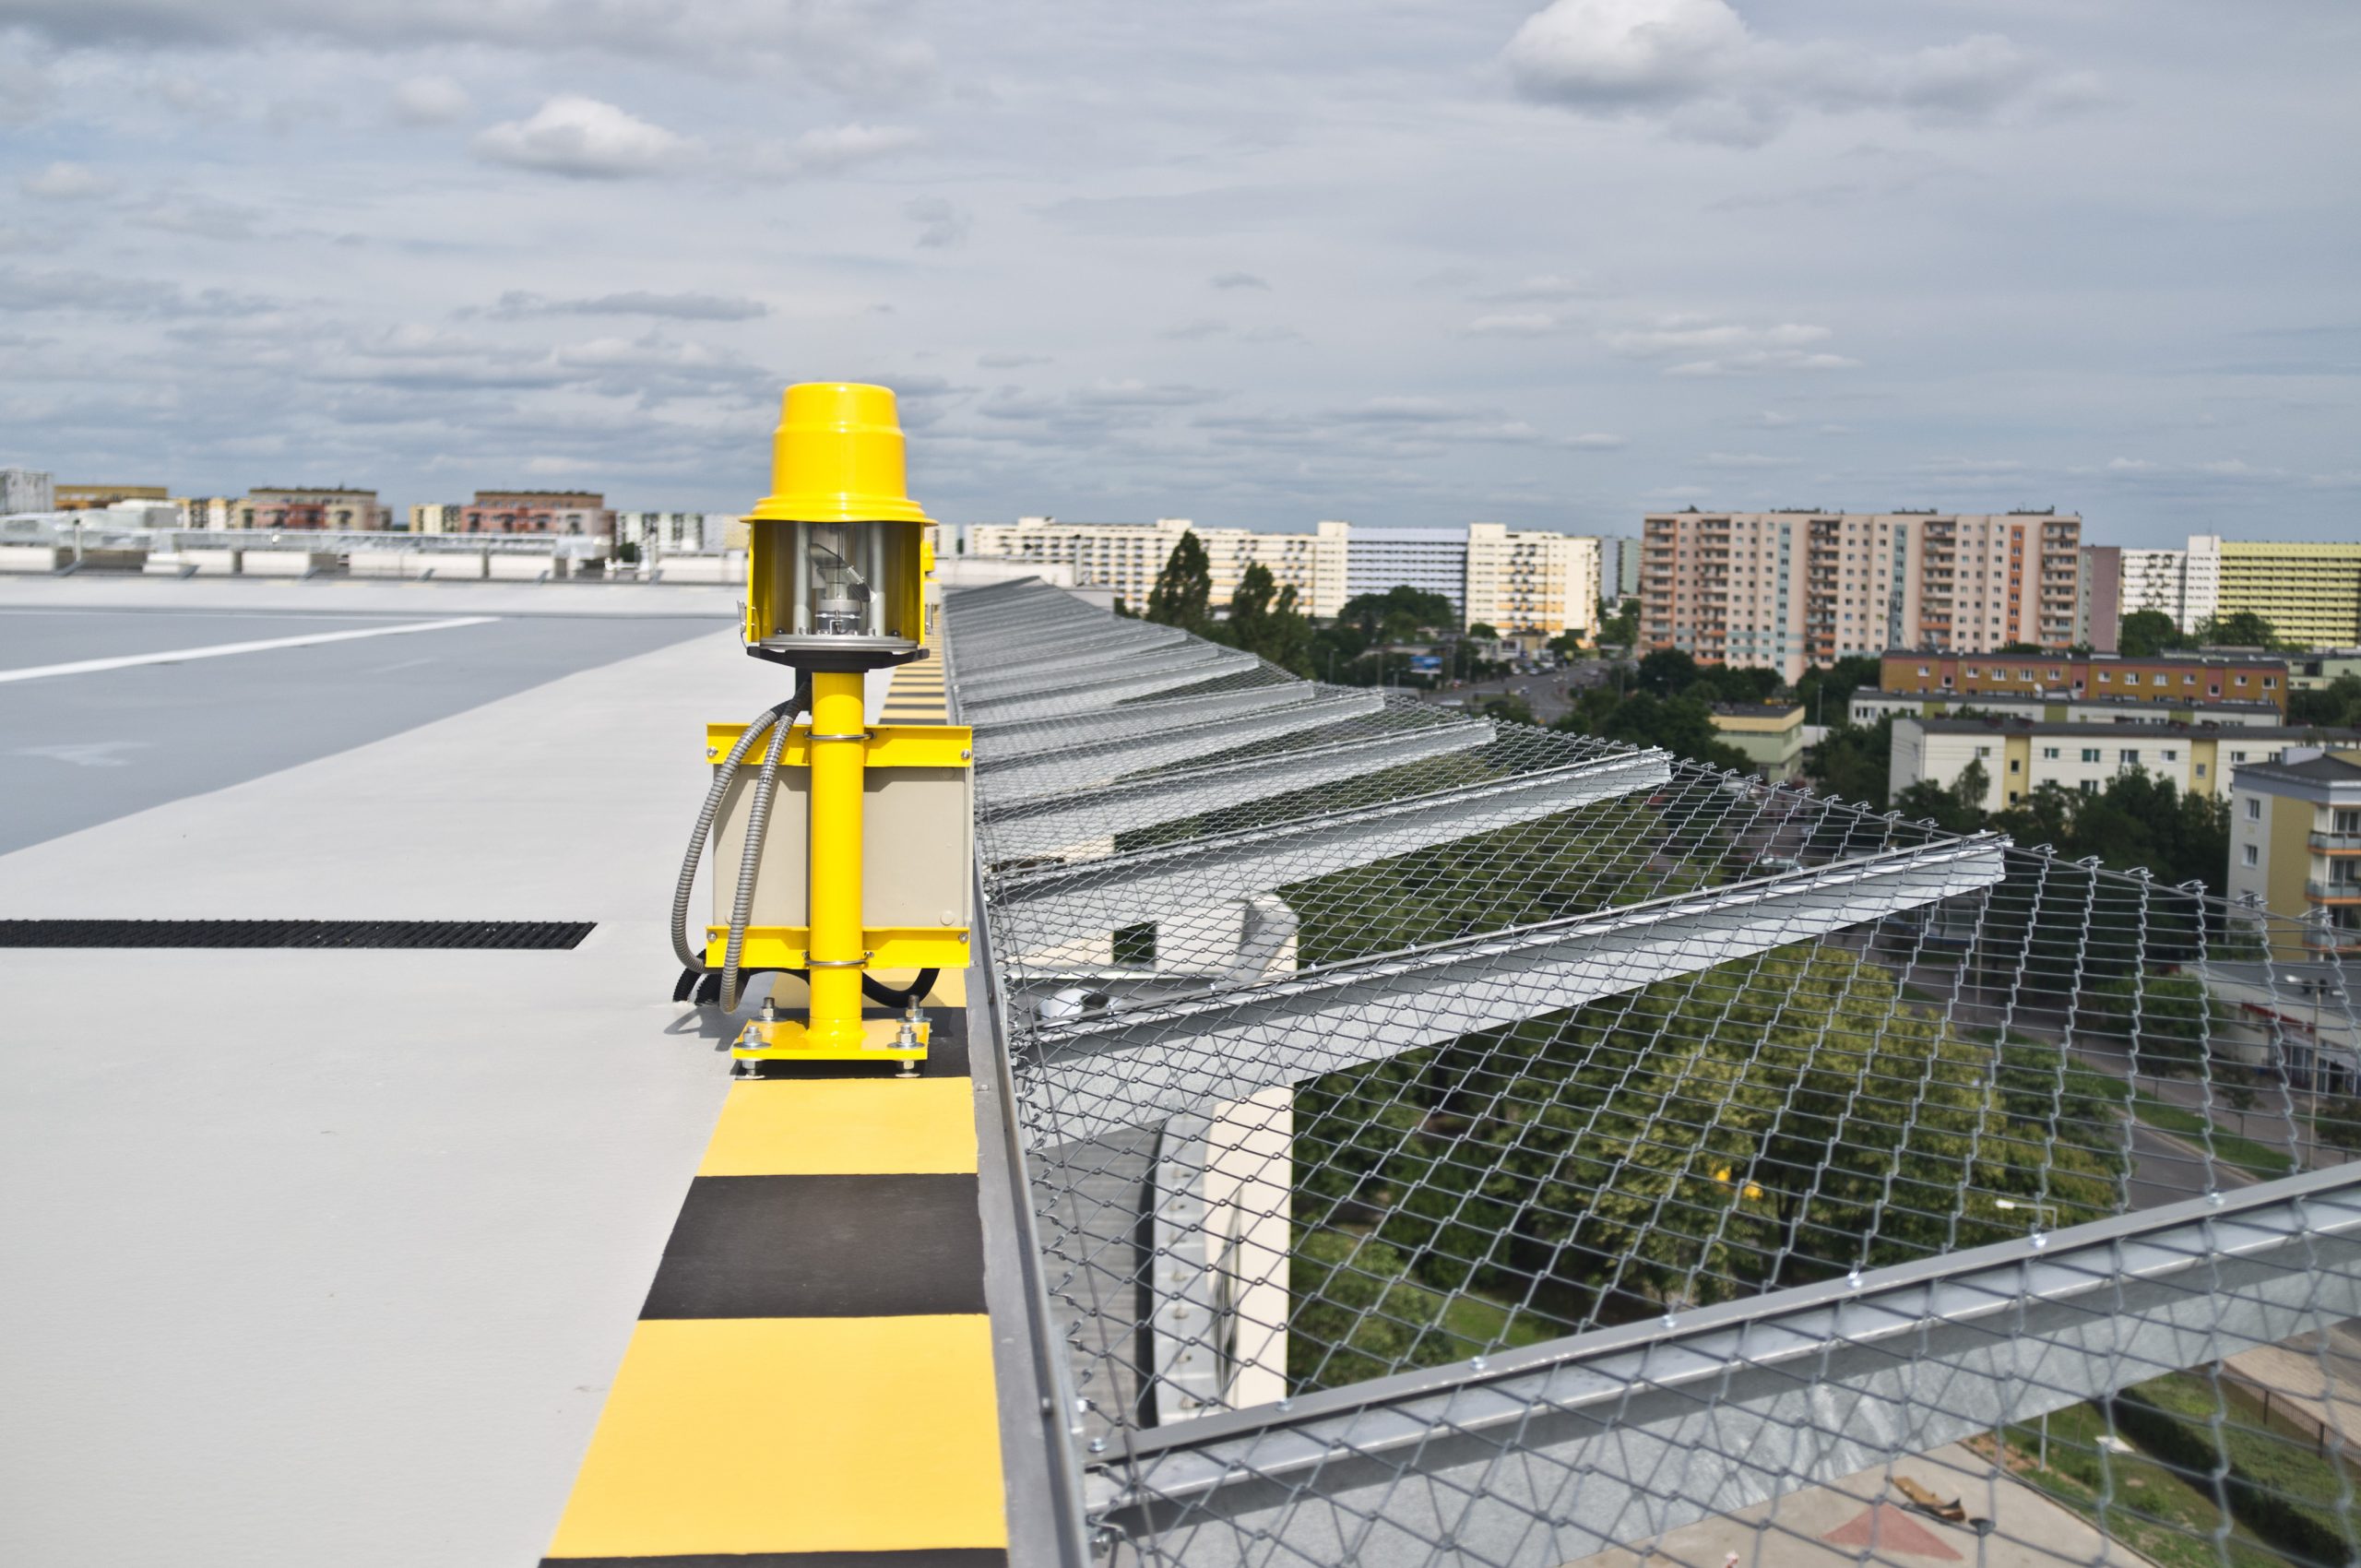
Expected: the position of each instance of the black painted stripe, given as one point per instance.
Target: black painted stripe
(947, 1051)
(823, 1246)
(515, 936)
(923, 1557)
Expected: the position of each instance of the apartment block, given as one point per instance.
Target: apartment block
(27, 489)
(2158, 580)
(1529, 581)
(2295, 844)
(205, 511)
(1514, 580)
(2241, 677)
(2098, 597)
(330, 507)
(1790, 589)
(2309, 593)
(2020, 757)
(2061, 708)
(675, 533)
(581, 512)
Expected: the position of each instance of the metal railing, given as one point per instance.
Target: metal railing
(1454, 1140)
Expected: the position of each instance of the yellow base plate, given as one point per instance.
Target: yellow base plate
(785, 1040)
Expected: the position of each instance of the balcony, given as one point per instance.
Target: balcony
(2333, 939)
(2336, 843)
(2338, 891)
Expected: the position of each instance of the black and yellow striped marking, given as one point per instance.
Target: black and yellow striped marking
(810, 1384)
(915, 696)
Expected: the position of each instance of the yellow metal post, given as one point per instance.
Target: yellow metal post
(840, 742)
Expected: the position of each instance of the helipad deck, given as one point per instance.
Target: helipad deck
(329, 1255)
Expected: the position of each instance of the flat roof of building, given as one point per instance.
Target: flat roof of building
(2010, 726)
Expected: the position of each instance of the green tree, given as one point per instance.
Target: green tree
(1826, 691)
(2144, 634)
(1666, 672)
(2167, 1020)
(1508, 709)
(2334, 706)
(1618, 624)
(1482, 632)
(1264, 621)
(1568, 644)
(2243, 629)
(1771, 1121)
(1957, 807)
(1855, 762)
(1184, 588)
(1399, 609)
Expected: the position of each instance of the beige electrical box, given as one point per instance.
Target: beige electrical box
(918, 850)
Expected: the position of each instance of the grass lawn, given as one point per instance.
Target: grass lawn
(2148, 1508)
(2260, 1159)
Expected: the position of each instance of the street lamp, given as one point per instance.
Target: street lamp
(2316, 989)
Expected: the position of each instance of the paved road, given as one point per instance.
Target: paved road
(81, 749)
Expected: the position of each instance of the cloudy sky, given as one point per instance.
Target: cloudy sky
(1550, 264)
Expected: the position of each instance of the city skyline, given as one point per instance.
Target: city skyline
(1557, 267)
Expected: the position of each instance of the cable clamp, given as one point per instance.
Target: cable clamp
(856, 735)
(836, 963)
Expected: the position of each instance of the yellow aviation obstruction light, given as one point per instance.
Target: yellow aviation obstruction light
(835, 576)
(837, 588)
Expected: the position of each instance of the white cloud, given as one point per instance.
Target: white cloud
(67, 182)
(1622, 52)
(690, 306)
(584, 138)
(1540, 287)
(1747, 460)
(24, 85)
(1696, 65)
(846, 47)
(428, 101)
(1515, 324)
(1596, 441)
(1238, 281)
(1730, 347)
(825, 151)
(941, 225)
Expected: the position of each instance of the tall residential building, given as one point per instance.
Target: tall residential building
(437, 516)
(1618, 569)
(2309, 593)
(27, 489)
(2158, 580)
(1431, 560)
(1515, 580)
(1790, 589)
(2295, 847)
(2098, 598)
(329, 507)
(1530, 581)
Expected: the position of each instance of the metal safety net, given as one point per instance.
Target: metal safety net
(1450, 1140)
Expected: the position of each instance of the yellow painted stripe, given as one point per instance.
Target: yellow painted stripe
(844, 1127)
(793, 1434)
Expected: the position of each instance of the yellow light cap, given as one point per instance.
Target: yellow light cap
(838, 458)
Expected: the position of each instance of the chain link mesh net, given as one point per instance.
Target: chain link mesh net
(1452, 1140)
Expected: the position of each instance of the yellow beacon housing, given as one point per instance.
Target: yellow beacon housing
(834, 576)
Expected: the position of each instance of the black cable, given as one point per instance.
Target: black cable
(886, 997)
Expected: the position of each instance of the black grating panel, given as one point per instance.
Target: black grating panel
(520, 935)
